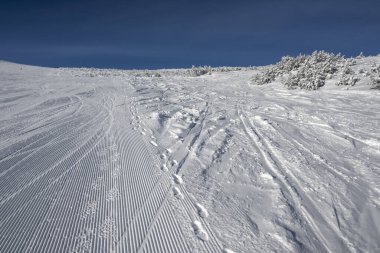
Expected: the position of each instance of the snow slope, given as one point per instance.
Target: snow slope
(161, 161)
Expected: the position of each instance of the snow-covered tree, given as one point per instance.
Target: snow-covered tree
(199, 71)
(267, 76)
(306, 72)
(350, 80)
(375, 77)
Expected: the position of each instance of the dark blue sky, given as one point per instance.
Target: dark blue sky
(181, 33)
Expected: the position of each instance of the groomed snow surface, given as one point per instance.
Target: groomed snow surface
(134, 161)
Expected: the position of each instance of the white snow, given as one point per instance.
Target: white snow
(279, 170)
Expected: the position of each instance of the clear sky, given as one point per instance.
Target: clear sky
(181, 33)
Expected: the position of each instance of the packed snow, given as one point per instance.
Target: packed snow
(280, 158)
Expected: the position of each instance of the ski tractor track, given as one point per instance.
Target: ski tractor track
(89, 184)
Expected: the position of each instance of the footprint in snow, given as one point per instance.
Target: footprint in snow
(225, 250)
(174, 163)
(177, 179)
(164, 168)
(199, 231)
(202, 211)
(177, 193)
(266, 176)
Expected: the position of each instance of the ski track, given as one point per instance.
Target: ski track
(293, 192)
